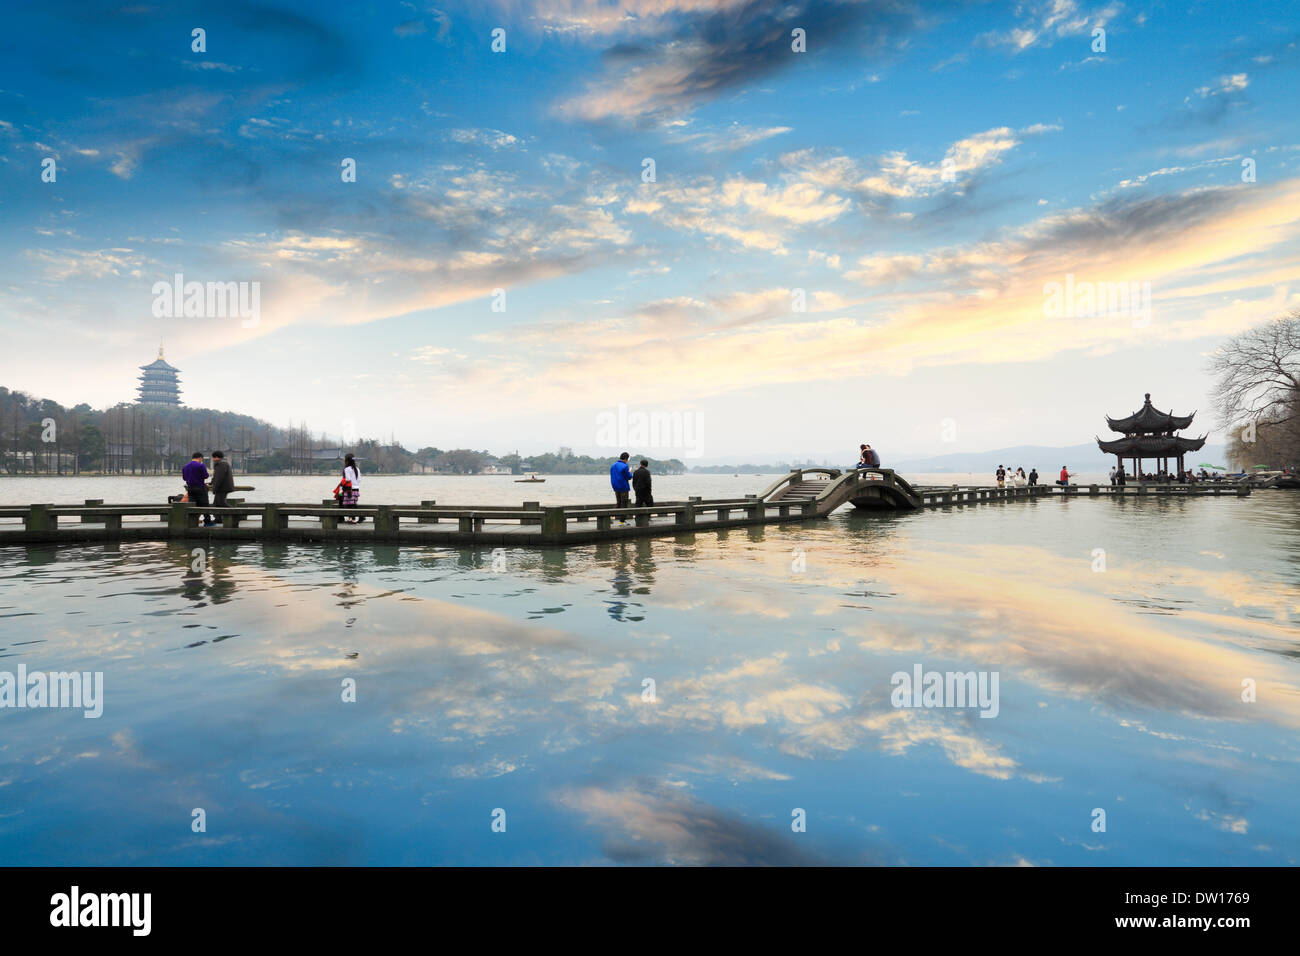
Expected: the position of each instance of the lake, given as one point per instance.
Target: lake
(712, 698)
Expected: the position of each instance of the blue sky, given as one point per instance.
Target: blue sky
(922, 173)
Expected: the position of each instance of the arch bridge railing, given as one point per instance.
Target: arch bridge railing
(846, 486)
(795, 476)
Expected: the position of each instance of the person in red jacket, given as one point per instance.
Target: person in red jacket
(1065, 477)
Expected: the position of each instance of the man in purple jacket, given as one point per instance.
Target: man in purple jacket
(195, 477)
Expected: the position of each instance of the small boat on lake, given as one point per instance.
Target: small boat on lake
(532, 479)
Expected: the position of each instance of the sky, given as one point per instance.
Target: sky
(773, 229)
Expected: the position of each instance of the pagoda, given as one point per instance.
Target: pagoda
(159, 385)
(1149, 433)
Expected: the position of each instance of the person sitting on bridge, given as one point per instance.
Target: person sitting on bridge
(620, 479)
(868, 458)
(1064, 480)
(641, 485)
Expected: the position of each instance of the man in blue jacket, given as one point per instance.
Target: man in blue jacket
(620, 479)
(195, 476)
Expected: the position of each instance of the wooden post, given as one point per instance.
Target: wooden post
(93, 503)
(273, 521)
(724, 514)
(385, 521)
(112, 522)
(232, 521)
(686, 516)
(642, 520)
(181, 518)
(428, 504)
(39, 519)
(466, 524)
(533, 506)
(602, 522)
(554, 523)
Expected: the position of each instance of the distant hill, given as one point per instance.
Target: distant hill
(1086, 457)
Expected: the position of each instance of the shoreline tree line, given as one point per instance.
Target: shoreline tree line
(42, 437)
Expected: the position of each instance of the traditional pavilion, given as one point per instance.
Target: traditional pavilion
(1149, 433)
(159, 385)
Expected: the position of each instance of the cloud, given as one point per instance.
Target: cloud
(1209, 104)
(658, 825)
(489, 138)
(688, 52)
(980, 302)
(1042, 23)
(895, 175)
(731, 138)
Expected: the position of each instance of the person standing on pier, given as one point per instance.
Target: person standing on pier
(641, 485)
(1064, 480)
(195, 476)
(1033, 477)
(350, 487)
(620, 479)
(1002, 477)
(223, 479)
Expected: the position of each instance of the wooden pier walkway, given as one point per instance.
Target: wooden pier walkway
(803, 494)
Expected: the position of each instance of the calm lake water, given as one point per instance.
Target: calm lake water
(1121, 633)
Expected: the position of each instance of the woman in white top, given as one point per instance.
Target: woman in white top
(1019, 480)
(350, 486)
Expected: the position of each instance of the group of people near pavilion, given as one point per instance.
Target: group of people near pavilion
(1118, 476)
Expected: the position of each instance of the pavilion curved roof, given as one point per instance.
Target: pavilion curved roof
(1150, 419)
(1151, 446)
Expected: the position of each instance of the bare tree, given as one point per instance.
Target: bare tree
(1258, 374)
(1258, 387)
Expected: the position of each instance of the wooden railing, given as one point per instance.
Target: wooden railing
(533, 523)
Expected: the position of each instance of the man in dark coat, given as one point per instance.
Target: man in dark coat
(641, 485)
(223, 479)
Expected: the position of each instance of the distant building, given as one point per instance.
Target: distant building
(160, 383)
